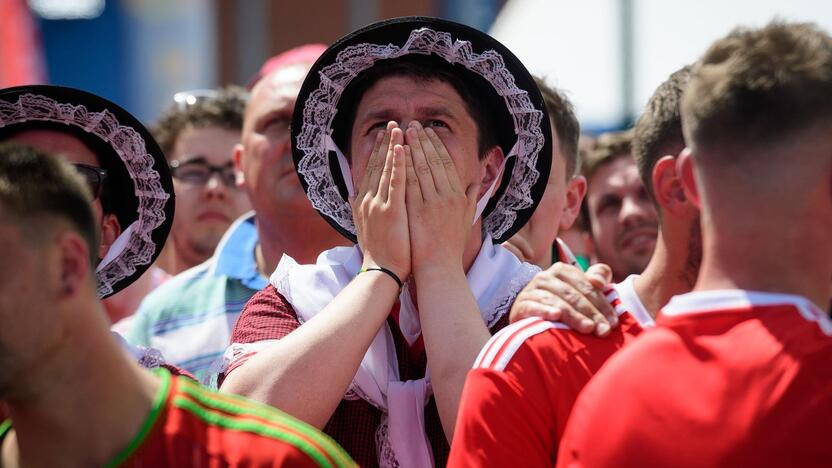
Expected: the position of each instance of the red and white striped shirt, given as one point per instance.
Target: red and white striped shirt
(727, 378)
(518, 396)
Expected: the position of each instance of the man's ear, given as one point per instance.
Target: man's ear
(74, 263)
(667, 186)
(575, 192)
(684, 167)
(110, 230)
(492, 164)
(237, 158)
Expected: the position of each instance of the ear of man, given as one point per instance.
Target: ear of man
(685, 169)
(492, 164)
(575, 192)
(110, 230)
(237, 158)
(75, 271)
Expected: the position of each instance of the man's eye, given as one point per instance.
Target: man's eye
(377, 126)
(436, 124)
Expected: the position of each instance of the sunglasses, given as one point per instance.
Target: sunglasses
(185, 99)
(199, 172)
(94, 177)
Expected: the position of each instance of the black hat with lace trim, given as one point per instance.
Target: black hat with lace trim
(137, 187)
(489, 71)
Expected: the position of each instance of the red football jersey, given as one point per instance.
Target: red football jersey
(728, 378)
(517, 398)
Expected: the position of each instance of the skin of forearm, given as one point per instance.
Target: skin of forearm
(307, 372)
(454, 334)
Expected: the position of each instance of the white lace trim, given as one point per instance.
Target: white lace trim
(130, 146)
(320, 108)
(502, 304)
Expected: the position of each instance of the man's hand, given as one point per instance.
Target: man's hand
(379, 206)
(439, 209)
(564, 293)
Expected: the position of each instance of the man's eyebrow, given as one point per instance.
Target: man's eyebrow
(430, 111)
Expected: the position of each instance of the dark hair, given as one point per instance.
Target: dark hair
(755, 86)
(607, 148)
(562, 116)
(36, 187)
(224, 110)
(481, 101)
(659, 129)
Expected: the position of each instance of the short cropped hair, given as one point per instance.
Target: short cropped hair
(224, 109)
(608, 147)
(37, 188)
(562, 116)
(755, 86)
(659, 129)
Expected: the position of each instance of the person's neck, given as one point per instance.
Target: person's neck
(301, 237)
(794, 261)
(81, 404)
(665, 275)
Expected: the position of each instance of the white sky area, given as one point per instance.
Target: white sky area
(576, 44)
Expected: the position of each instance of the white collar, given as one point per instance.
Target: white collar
(720, 300)
(630, 302)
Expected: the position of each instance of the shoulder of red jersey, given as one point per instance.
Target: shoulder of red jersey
(502, 347)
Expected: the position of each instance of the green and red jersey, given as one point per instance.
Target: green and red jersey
(190, 425)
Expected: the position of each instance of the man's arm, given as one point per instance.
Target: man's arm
(308, 371)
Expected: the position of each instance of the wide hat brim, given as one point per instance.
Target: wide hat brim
(140, 187)
(463, 49)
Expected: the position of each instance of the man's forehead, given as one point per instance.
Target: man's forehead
(434, 95)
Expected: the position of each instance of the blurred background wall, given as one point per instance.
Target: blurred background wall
(608, 55)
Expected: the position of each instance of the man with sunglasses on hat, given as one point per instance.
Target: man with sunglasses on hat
(73, 399)
(403, 133)
(190, 317)
(124, 168)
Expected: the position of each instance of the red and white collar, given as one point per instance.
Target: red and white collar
(721, 300)
(630, 302)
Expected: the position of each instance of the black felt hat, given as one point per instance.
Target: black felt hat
(491, 71)
(139, 185)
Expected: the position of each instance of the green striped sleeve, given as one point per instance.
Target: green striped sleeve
(236, 405)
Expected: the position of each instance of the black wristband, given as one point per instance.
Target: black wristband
(384, 270)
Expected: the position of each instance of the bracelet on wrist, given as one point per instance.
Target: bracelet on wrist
(387, 272)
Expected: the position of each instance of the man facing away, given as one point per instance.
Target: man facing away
(737, 372)
(518, 397)
(190, 317)
(72, 396)
(342, 344)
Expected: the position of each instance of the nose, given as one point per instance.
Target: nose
(634, 211)
(214, 187)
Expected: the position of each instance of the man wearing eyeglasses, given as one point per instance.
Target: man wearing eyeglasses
(197, 134)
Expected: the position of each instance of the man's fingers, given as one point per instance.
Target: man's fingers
(421, 169)
(589, 290)
(413, 192)
(364, 182)
(375, 165)
(449, 168)
(398, 176)
(530, 308)
(578, 310)
(434, 159)
(387, 173)
(599, 274)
